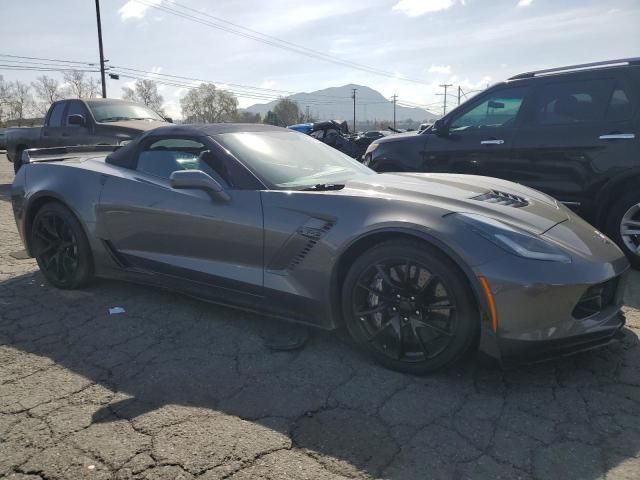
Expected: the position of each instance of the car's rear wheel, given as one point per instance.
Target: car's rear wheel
(624, 226)
(409, 307)
(60, 247)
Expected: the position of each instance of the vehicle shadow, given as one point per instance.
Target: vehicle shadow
(5, 192)
(327, 400)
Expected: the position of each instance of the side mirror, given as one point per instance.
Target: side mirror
(200, 180)
(168, 119)
(440, 128)
(76, 119)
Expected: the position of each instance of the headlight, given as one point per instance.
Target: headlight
(514, 240)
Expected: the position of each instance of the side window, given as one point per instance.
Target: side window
(565, 103)
(76, 108)
(499, 109)
(620, 106)
(55, 119)
(161, 158)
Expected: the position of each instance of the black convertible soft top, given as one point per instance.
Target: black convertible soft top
(124, 156)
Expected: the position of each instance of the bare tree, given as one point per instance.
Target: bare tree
(80, 87)
(20, 101)
(247, 117)
(145, 92)
(47, 90)
(208, 104)
(4, 99)
(287, 112)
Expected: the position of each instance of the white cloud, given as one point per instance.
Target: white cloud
(415, 8)
(525, 3)
(133, 9)
(443, 69)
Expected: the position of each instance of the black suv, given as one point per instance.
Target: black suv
(571, 132)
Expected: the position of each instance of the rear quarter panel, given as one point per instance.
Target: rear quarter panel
(72, 183)
(31, 137)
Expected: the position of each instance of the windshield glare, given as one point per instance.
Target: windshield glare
(291, 160)
(117, 112)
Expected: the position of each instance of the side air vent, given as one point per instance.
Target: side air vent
(314, 234)
(502, 198)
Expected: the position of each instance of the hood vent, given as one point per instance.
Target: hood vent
(502, 198)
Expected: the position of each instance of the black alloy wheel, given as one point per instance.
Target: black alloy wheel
(60, 247)
(409, 307)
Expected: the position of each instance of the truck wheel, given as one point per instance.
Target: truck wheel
(623, 226)
(17, 161)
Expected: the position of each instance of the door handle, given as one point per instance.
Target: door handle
(618, 136)
(492, 142)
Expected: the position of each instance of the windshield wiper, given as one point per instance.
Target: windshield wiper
(319, 187)
(113, 119)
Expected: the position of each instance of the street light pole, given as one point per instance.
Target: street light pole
(104, 83)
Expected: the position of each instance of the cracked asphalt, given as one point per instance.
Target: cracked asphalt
(179, 389)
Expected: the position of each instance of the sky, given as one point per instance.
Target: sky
(412, 46)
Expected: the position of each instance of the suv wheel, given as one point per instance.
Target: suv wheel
(624, 226)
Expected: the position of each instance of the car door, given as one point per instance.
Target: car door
(52, 129)
(562, 147)
(78, 134)
(478, 137)
(184, 234)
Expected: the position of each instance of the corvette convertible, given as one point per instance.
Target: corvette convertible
(420, 268)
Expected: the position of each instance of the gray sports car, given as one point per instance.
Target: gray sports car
(419, 267)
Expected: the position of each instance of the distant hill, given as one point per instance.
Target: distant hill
(335, 103)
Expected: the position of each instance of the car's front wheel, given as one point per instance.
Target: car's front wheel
(623, 226)
(409, 307)
(60, 247)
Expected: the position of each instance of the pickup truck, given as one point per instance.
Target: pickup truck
(96, 121)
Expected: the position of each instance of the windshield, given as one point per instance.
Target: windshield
(290, 160)
(117, 112)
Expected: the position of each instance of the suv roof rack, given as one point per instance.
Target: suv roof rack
(582, 66)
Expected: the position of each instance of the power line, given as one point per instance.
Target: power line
(245, 32)
(445, 86)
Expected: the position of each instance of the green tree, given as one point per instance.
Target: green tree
(208, 104)
(287, 112)
(272, 119)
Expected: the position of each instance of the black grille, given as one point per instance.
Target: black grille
(502, 198)
(596, 298)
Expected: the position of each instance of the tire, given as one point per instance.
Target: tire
(624, 211)
(17, 161)
(60, 247)
(415, 324)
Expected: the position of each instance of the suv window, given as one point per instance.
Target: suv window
(620, 107)
(55, 119)
(76, 108)
(571, 102)
(499, 109)
(161, 158)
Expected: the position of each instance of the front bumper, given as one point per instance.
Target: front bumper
(560, 311)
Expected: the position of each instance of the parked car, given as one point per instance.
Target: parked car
(95, 121)
(571, 132)
(420, 267)
(333, 133)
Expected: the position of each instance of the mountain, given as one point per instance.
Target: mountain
(335, 103)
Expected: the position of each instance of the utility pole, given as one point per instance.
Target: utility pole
(395, 100)
(445, 86)
(353, 95)
(104, 83)
(459, 94)
(308, 113)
